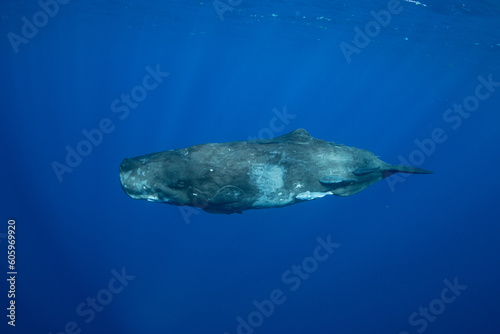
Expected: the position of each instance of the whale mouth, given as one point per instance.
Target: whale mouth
(126, 180)
(136, 184)
(133, 182)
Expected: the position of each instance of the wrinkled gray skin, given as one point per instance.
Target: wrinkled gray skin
(241, 175)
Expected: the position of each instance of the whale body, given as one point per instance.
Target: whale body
(236, 176)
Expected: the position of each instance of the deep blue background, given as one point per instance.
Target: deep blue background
(197, 275)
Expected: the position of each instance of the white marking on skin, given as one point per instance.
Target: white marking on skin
(126, 175)
(143, 184)
(268, 179)
(307, 196)
(152, 198)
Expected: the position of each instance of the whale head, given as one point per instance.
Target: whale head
(155, 178)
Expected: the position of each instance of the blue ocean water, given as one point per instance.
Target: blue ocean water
(414, 82)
